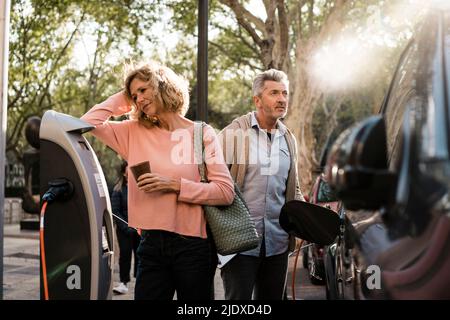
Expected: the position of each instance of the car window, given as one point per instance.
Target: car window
(433, 136)
(402, 91)
(325, 193)
(413, 87)
(447, 59)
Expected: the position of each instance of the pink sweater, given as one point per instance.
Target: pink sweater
(181, 213)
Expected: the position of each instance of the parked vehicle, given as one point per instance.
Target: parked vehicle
(392, 173)
(321, 194)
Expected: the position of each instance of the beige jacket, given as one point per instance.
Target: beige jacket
(236, 154)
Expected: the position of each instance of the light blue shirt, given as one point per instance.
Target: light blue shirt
(264, 187)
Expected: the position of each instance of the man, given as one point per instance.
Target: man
(261, 154)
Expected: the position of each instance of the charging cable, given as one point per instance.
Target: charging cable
(60, 189)
(41, 237)
(294, 269)
(120, 219)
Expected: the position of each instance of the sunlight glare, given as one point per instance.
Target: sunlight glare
(354, 56)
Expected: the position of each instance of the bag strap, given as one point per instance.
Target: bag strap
(199, 150)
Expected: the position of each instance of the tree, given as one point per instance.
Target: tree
(35, 29)
(229, 62)
(288, 39)
(43, 74)
(43, 34)
(287, 35)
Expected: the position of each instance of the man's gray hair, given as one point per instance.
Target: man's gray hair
(268, 75)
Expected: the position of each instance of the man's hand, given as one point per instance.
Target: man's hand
(152, 182)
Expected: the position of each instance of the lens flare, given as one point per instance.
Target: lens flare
(355, 55)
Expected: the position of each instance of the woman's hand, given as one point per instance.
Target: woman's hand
(152, 182)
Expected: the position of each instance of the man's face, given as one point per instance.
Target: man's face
(273, 102)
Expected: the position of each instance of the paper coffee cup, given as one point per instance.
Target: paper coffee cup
(139, 169)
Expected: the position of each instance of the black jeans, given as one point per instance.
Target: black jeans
(170, 262)
(265, 277)
(128, 244)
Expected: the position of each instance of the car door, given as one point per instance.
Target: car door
(366, 234)
(417, 265)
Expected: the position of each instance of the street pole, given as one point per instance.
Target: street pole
(202, 62)
(4, 47)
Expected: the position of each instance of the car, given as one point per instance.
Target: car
(392, 174)
(313, 254)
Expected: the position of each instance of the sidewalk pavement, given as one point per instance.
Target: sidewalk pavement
(21, 271)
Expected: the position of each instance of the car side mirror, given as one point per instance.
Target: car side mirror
(357, 167)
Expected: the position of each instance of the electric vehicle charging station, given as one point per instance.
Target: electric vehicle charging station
(78, 231)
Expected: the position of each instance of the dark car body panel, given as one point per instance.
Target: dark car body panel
(313, 256)
(408, 238)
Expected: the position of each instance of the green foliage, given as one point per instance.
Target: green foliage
(42, 74)
(184, 15)
(232, 60)
(35, 28)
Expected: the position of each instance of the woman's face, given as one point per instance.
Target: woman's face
(144, 96)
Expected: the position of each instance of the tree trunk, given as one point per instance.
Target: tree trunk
(300, 116)
(299, 121)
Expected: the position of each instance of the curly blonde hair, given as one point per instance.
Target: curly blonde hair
(172, 90)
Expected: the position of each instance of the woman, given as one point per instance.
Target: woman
(166, 204)
(127, 237)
